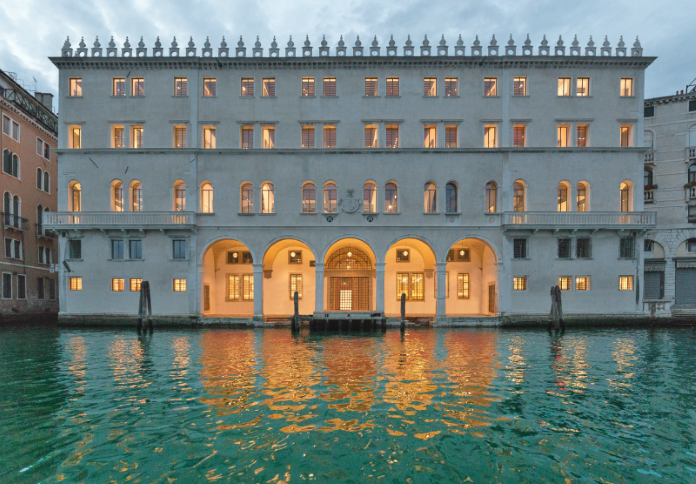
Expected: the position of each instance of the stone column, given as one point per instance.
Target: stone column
(379, 290)
(319, 287)
(441, 139)
(441, 296)
(258, 292)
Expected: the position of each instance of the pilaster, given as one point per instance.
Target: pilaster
(441, 296)
(379, 290)
(319, 287)
(258, 291)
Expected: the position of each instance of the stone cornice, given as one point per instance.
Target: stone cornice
(7, 105)
(675, 98)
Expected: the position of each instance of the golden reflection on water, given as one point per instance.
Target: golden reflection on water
(126, 357)
(517, 364)
(77, 351)
(623, 350)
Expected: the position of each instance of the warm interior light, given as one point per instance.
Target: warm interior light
(292, 254)
(461, 252)
(405, 253)
(234, 255)
(350, 254)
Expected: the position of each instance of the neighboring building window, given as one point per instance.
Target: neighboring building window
(309, 198)
(491, 197)
(626, 135)
(451, 86)
(519, 283)
(451, 136)
(625, 283)
(40, 288)
(582, 283)
(136, 137)
(10, 127)
(295, 257)
(369, 198)
(627, 248)
(39, 178)
(268, 137)
(462, 286)
(74, 137)
(391, 201)
(519, 135)
(430, 136)
(392, 136)
(117, 249)
(692, 106)
(179, 249)
(583, 248)
(329, 86)
(45, 255)
(582, 131)
(118, 138)
(564, 86)
(519, 248)
(295, 286)
(267, 198)
(180, 86)
(179, 285)
(209, 138)
(43, 149)
(626, 86)
(75, 87)
(179, 196)
(307, 87)
(649, 245)
(430, 87)
(490, 86)
(691, 245)
(179, 136)
(691, 175)
(118, 285)
(430, 198)
(647, 178)
(135, 249)
(247, 87)
(138, 86)
(206, 197)
(248, 287)
(564, 245)
(136, 196)
(370, 86)
(247, 140)
(209, 87)
(268, 87)
(392, 86)
(583, 87)
(370, 136)
(308, 137)
(563, 135)
(403, 255)
(329, 136)
(518, 197)
(135, 284)
(119, 86)
(21, 286)
(75, 249)
(330, 198)
(47, 182)
(7, 285)
(451, 198)
(563, 205)
(247, 198)
(490, 138)
(649, 112)
(519, 86)
(10, 163)
(565, 283)
(75, 283)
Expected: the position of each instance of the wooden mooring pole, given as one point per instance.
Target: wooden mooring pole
(403, 311)
(296, 318)
(144, 306)
(556, 316)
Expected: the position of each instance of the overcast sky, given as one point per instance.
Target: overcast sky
(33, 30)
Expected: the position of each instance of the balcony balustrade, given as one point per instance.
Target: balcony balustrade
(579, 220)
(119, 220)
(649, 196)
(691, 153)
(11, 221)
(691, 194)
(649, 156)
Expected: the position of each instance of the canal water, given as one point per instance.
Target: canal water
(267, 406)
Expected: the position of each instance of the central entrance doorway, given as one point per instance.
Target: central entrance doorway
(350, 274)
(349, 294)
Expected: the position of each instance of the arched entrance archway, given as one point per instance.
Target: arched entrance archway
(349, 276)
(227, 280)
(288, 266)
(471, 279)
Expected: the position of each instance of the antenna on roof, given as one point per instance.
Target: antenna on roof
(36, 84)
(691, 87)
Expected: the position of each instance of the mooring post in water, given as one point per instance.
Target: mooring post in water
(403, 311)
(146, 286)
(556, 316)
(141, 309)
(296, 316)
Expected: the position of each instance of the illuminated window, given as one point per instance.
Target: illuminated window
(206, 197)
(401, 285)
(582, 131)
(565, 283)
(307, 86)
(10, 127)
(583, 87)
(180, 86)
(564, 86)
(209, 87)
(369, 198)
(117, 285)
(209, 138)
(308, 137)
(391, 202)
(519, 86)
(267, 198)
(329, 86)
(451, 86)
(329, 136)
(179, 285)
(309, 198)
(295, 257)
(451, 136)
(430, 136)
(370, 136)
(626, 86)
(626, 135)
(138, 86)
(247, 194)
(417, 287)
(248, 287)
(518, 197)
(330, 198)
(490, 138)
(490, 86)
(135, 285)
(519, 283)
(179, 204)
(295, 286)
(519, 135)
(119, 86)
(403, 255)
(370, 86)
(247, 139)
(461, 255)
(75, 137)
(75, 87)
(117, 196)
(247, 87)
(233, 292)
(463, 286)
(430, 87)
(563, 135)
(237, 257)
(179, 136)
(582, 193)
(491, 197)
(268, 87)
(392, 86)
(430, 198)
(75, 192)
(136, 140)
(563, 205)
(392, 136)
(118, 138)
(582, 283)
(625, 202)
(625, 283)
(75, 283)
(268, 137)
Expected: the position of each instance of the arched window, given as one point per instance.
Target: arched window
(648, 140)
(348, 258)
(491, 197)
(692, 174)
(39, 178)
(430, 198)
(136, 196)
(330, 198)
(451, 198)
(563, 192)
(309, 198)
(583, 197)
(626, 200)
(247, 197)
(369, 197)
(518, 197)
(391, 198)
(206, 197)
(267, 198)
(6, 209)
(117, 196)
(75, 200)
(47, 182)
(39, 220)
(7, 162)
(179, 196)
(692, 136)
(17, 211)
(647, 178)
(15, 166)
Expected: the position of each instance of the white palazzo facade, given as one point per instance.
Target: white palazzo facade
(471, 179)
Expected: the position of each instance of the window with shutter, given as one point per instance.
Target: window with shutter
(392, 86)
(565, 283)
(308, 137)
(392, 136)
(451, 86)
(179, 136)
(451, 136)
(307, 86)
(268, 85)
(329, 136)
(247, 137)
(370, 86)
(430, 87)
(329, 86)
(180, 86)
(519, 137)
(247, 87)
(209, 87)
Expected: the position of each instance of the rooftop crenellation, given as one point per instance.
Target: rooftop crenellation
(441, 49)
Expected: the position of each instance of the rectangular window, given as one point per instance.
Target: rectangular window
(178, 249)
(118, 139)
(490, 138)
(627, 248)
(370, 136)
(417, 287)
(563, 135)
(430, 87)
(10, 127)
(582, 132)
(329, 136)
(370, 86)
(268, 137)
(520, 248)
(75, 87)
(392, 136)
(295, 286)
(307, 87)
(519, 86)
(180, 86)
(118, 285)
(179, 136)
(583, 87)
(625, 283)
(519, 135)
(21, 286)
(248, 287)
(295, 257)
(582, 283)
(329, 86)
(392, 86)
(41, 255)
(209, 138)
(209, 87)
(179, 285)
(401, 285)
(462, 255)
(430, 136)
(117, 247)
(268, 87)
(564, 86)
(649, 112)
(136, 140)
(51, 288)
(308, 137)
(490, 86)
(463, 286)
(626, 135)
(692, 106)
(75, 137)
(565, 283)
(247, 87)
(583, 248)
(403, 256)
(519, 283)
(564, 245)
(649, 245)
(119, 86)
(247, 138)
(135, 285)
(6, 285)
(246, 258)
(41, 288)
(626, 86)
(75, 249)
(75, 283)
(138, 86)
(451, 136)
(232, 293)
(135, 249)
(451, 86)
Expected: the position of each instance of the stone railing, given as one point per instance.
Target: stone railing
(141, 220)
(691, 153)
(691, 193)
(649, 196)
(12, 221)
(578, 219)
(649, 156)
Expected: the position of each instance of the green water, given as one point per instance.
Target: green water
(427, 406)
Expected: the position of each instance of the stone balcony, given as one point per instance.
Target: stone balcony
(119, 220)
(648, 196)
(649, 156)
(578, 220)
(690, 194)
(691, 153)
